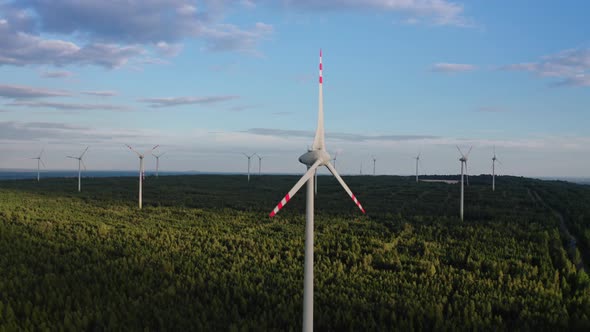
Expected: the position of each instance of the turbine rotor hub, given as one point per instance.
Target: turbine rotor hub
(309, 158)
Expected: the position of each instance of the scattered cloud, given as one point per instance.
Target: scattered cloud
(25, 92)
(68, 106)
(337, 136)
(56, 74)
(111, 33)
(100, 93)
(240, 108)
(177, 101)
(570, 67)
(282, 113)
(60, 132)
(228, 37)
(440, 12)
(169, 50)
(443, 67)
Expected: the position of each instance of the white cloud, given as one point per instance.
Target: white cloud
(177, 101)
(100, 93)
(570, 67)
(69, 106)
(110, 33)
(444, 67)
(57, 74)
(23, 92)
(439, 12)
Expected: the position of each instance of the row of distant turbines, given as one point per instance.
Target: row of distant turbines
(315, 157)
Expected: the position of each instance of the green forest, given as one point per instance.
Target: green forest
(203, 255)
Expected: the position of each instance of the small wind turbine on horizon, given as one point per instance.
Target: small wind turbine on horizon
(141, 171)
(39, 163)
(334, 159)
(249, 157)
(259, 164)
(463, 160)
(157, 156)
(80, 164)
(374, 162)
(494, 159)
(315, 157)
(417, 161)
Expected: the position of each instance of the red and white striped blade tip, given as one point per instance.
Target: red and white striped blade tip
(357, 203)
(282, 203)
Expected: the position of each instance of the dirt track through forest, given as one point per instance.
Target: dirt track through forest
(572, 240)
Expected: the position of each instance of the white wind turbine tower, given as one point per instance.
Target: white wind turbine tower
(259, 164)
(374, 162)
(157, 156)
(317, 156)
(80, 164)
(39, 163)
(463, 160)
(141, 171)
(417, 161)
(249, 157)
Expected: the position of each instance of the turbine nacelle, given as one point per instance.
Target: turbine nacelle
(311, 157)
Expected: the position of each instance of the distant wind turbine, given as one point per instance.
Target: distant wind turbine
(316, 157)
(334, 159)
(259, 164)
(80, 163)
(463, 160)
(417, 161)
(374, 162)
(494, 159)
(141, 171)
(39, 163)
(157, 156)
(249, 157)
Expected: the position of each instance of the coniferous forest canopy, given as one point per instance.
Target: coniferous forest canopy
(203, 255)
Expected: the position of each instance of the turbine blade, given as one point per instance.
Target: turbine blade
(152, 149)
(132, 149)
(83, 164)
(343, 184)
(42, 163)
(71, 157)
(83, 153)
(319, 141)
(461, 152)
(41, 153)
(310, 172)
(468, 152)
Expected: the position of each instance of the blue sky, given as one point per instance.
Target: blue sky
(208, 80)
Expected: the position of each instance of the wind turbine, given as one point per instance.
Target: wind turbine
(494, 159)
(157, 156)
(249, 157)
(374, 162)
(463, 160)
(141, 172)
(259, 163)
(80, 163)
(39, 163)
(417, 161)
(334, 159)
(317, 156)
